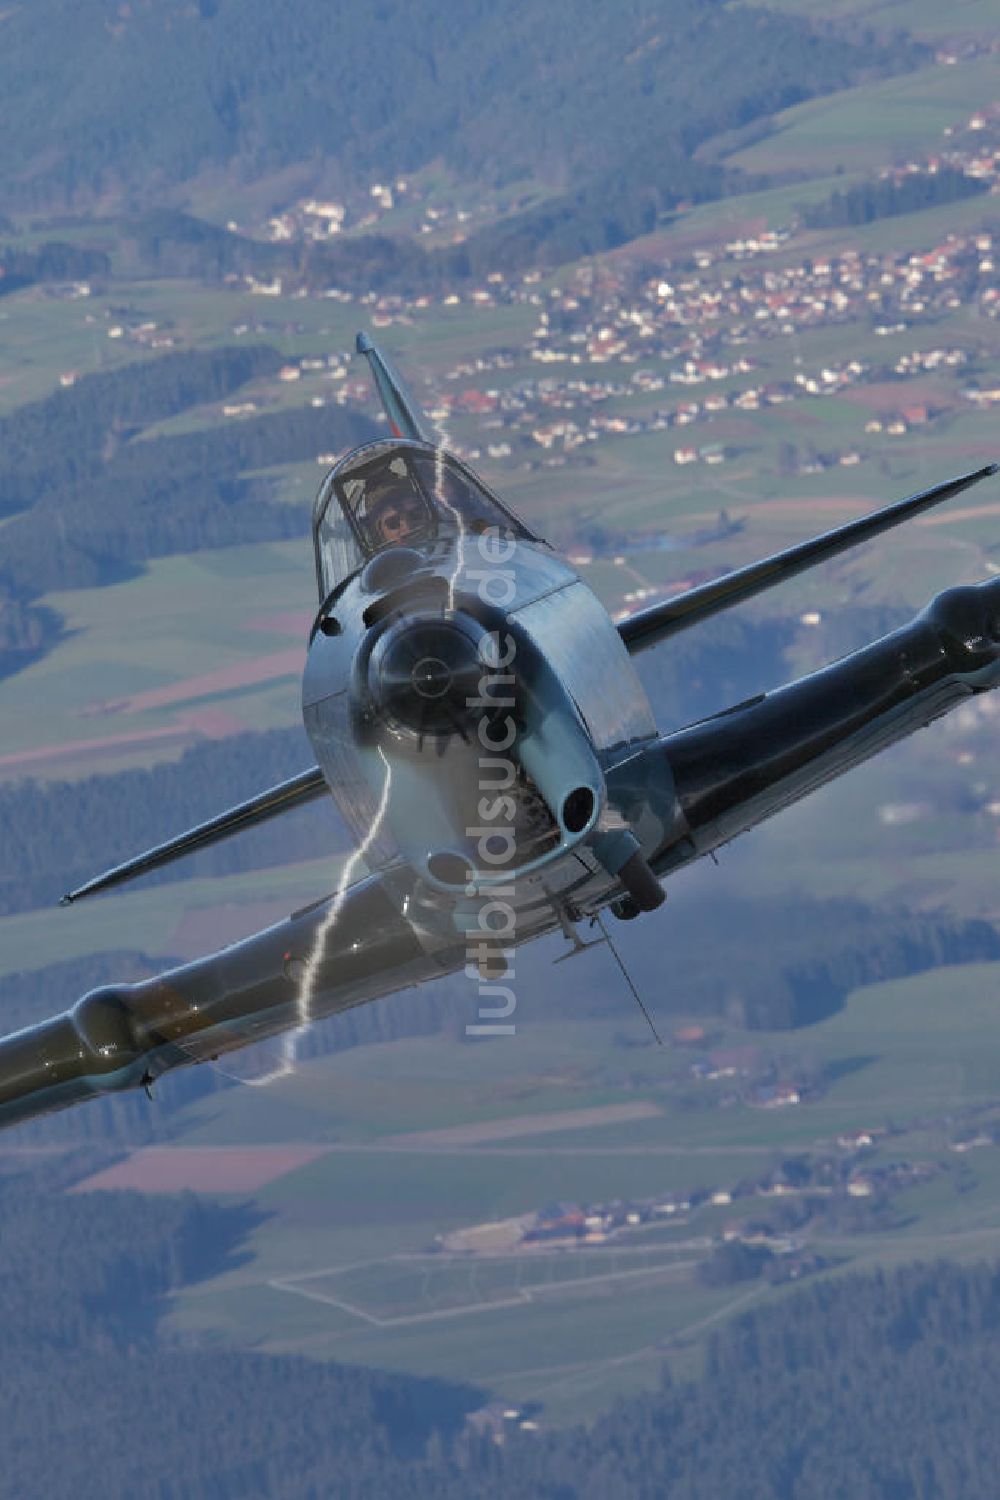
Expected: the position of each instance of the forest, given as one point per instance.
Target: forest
(88, 503)
(53, 835)
(66, 436)
(881, 1386)
(886, 196)
(877, 1387)
(152, 96)
(166, 494)
(97, 1402)
(54, 261)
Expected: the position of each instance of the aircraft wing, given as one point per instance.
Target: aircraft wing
(735, 769)
(341, 951)
(650, 626)
(277, 799)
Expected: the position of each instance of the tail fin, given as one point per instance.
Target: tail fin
(405, 417)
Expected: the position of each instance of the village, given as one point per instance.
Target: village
(624, 346)
(687, 340)
(688, 335)
(688, 325)
(781, 1213)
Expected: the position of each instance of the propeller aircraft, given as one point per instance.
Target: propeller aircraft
(477, 717)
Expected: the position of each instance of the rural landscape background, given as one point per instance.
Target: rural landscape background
(686, 282)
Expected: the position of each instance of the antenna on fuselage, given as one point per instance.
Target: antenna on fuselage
(627, 977)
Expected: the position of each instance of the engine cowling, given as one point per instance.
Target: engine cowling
(422, 673)
(442, 705)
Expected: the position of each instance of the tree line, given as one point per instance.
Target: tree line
(232, 87)
(885, 197)
(879, 1387)
(63, 436)
(52, 261)
(166, 495)
(88, 504)
(97, 1400)
(55, 835)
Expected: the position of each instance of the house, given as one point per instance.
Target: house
(477, 402)
(972, 1142)
(730, 1061)
(776, 1096)
(776, 1188)
(687, 1036)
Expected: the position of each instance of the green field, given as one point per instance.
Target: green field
(183, 618)
(153, 921)
(874, 125)
(344, 1264)
(921, 18)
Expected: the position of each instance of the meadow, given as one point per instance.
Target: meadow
(347, 1261)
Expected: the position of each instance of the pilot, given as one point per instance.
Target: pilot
(395, 512)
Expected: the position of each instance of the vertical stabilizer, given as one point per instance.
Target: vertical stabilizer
(405, 417)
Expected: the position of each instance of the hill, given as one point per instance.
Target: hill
(134, 99)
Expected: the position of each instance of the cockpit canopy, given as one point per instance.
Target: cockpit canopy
(397, 492)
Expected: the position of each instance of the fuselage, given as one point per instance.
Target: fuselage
(484, 734)
(477, 717)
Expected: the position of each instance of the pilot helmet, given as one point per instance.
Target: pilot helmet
(394, 510)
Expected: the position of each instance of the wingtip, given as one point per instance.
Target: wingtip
(362, 342)
(66, 900)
